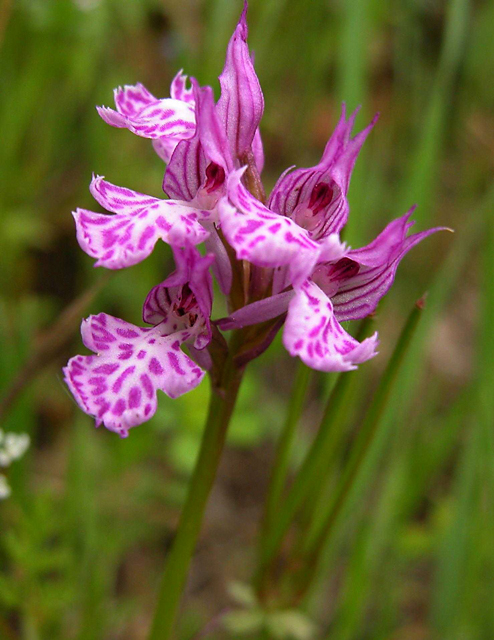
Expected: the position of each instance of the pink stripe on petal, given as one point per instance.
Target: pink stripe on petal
(179, 89)
(241, 104)
(166, 121)
(358, 295)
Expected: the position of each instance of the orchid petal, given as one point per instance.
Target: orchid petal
(179, 89)
(263, 237)
(241, 104)
(186, 171)
(313, 333)
(132, 99)
(118, 385)
(211, 131)
(143, 114)
(381, 250)
(129, 236)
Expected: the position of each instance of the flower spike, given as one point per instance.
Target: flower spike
(278, 264)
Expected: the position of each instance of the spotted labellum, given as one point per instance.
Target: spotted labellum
(279, 262)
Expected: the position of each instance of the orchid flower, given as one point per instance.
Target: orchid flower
(278, 261)
(295, 269)
(118, 385)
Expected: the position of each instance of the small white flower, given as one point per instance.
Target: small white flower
(12, 447)
(16, 445)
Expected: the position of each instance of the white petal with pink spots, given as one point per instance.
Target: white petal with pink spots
(313, 333)
(118, 385)
(129, 236)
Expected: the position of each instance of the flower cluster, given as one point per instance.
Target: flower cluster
(278, 261)
(12, 447)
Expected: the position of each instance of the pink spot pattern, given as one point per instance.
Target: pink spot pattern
(167, 120)
(129, 236)
(313, 333)
(122, 393)
(262, 237)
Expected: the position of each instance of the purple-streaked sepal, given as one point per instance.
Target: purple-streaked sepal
(316, 197)
(129, 236)
(118, 385)
(211, 130)
(198, 167)
(262, 237)
(313, 333)
(358, 281)
(241, 104)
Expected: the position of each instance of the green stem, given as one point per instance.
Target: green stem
(285, 445)
(221, 405)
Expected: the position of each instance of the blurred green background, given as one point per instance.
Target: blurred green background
(84, 535)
